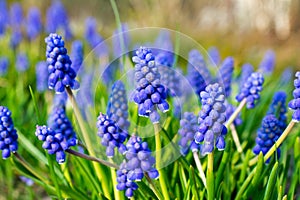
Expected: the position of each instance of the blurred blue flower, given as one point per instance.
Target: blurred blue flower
(77, 55)
(214, 55)
(268, 63)
(34, 23)
(124, 183)
(163, 43)
(8, 134)
(61, 74)
(41, 71)
(111, 135)
(251, 89)
(118, 34)
(286, 76)
(225, 74)
(15, 39)
(150, 94)
(117, 108)
(3, 17)
(247, 70)
(294, 104)
(27, 181)
(211, 130)
(171, 80)
(3, 66)
(22, 63)
(278, 108)
(16, 16)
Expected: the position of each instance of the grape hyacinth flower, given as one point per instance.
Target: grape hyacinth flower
(118, 34)
(139, 160)
(53, 142)
(214, 55)
(188, 128)
(150, 94)
(3, 66)
(61, 74)
(34, 24)
(57, 18)
(286, 76)
(16, 18)
(22, 62)
(229, 111)
(278, 109)
(247, 70)
(77, 55)
(268, 63)
(267, 134)
(3, 17)
(8, 134)
(211, 131)
(124, 183)
(171, 80)
(251, 89)
(163, 43)
(117, 108)
(225, 74)
(198, 74)
(111, 135)
(84, 97)
(164, 58)
(60, 124)
(41, 71)
(295, 103)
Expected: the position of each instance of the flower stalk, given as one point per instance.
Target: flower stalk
(199, 167)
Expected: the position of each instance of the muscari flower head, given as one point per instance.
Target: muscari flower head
(41, 71)
(164, 58)
(34, 24)
(214, 55)
(247, 70)
(16, 15)
(295, 103)
(84, 97)
(251, 89)
(286, 76)
(139, 160)
(268, 63)
(111, 135)
(22, 62)
(267, 135)
(229, 111)
(163, 43)
(211, 130)
(57, 18)
(171, 80)
(188, 128)
(278, 108)
(15, 39)
(3, 16)
(117, 108)
(225, 75)
(77, 55)
(61, 74)
(198, 74)
(150, 94)
(124, 183)
(3, 66)
(118, 34)
(8, 134)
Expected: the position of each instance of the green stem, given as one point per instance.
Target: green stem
(236, 140)
(245, 184)
(236, 113)
(210, 176)
(153, 187)
(199, 167)
(54, 178)
(162, 180)
(99, 170)
(117, 194)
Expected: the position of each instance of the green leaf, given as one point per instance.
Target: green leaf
(193, 183)
(271, 182)
(224, 162)
(245, 167)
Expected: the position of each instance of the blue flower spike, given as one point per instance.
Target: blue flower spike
(211, 120)
(124, 183)
(278, 108)
(225, 74)
(294, 104)
(150, 94)
(61, 74)
(8, 134)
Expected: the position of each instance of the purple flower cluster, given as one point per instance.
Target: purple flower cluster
(214, 55)
(150, 94)
(278, 108)
(3, 16)
(211, 118)
(251, 89)
(8, 134)
(111, 135)
(117, 108)
(59, 65)
(16, 19)
(267, 134)
(225, 74)
(268, 63)
(171, 80)
(188, 128)
(3, 66)
(77, 55)
(295, 103)
(34, 24)
(247, 70)
(22, 62)
(41, 71)
(229, 111)
(123, 182)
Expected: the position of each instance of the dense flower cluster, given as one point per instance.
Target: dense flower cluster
(188, 128)
(278, 108)
(211, 118)
(198, 74)
(267, 134)
(150, 94)
(8, 134)
(41, 71)
(22, 62)
(123, 182)
(59, 65)
(225, 74)
(34, 23)
(251, 89)
(111, 135)
(295, 103)
(3, 66)
(77, 55)
(171, 80)
(268, 63)
(117, 108)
